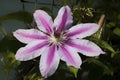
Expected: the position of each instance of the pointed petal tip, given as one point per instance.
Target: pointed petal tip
(14, 33)
(70, 56)
(37, 12)
(76, 66)
(99, 53)
(17, 57)
(44, 21)
(49, 61)
(102, 52)
(86, 47)
(64, 18)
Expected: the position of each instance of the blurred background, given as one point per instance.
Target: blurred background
(18, 14)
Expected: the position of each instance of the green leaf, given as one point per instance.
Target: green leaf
(116, 31)
(74, 70)
(9, 43)
(46, 9)
(105, 45)
(20, 15)
(64, 2)
(8, 62)
(107, 70)
(119, 16)
(111, 24)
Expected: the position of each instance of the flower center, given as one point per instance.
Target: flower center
(58, 38)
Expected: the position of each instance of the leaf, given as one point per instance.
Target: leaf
(8, 61)
(46, 9)
(116, 31)
(20, 15)
(74, 70)
(111, 24)
(105, 45)
(64, 2)
(107, 70)
(9, 43)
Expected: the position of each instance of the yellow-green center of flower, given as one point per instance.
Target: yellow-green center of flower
(58, 38)
(54, 40)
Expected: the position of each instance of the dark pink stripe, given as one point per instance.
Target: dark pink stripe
(46, 25)
(80, 47)
(63, 20)
(67, 55)
(51, 54)
(36, 47)
(79, 31)
(31, 36)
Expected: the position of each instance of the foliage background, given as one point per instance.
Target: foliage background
(16, 14)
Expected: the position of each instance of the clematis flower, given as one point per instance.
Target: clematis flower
(55, 41)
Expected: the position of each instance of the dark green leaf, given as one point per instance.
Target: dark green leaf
(116, 31)
(107, 70)
(20, 15)
(9, 43)
(74, 70)
(46, 9)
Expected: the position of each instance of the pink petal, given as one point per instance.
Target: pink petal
(49, 61)
(43, 20)
(64, 18)
(85, 47)
(26, 36)
(30, 51)
(70, 56)
(83, 30)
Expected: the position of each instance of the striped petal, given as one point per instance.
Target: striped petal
(64, 18)
(70, 56)
(43, 20)
(85, 47)
(26, 36)
(30, 51)
(49, 61)
(83, 30)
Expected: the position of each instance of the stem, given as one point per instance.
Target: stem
(23, 9)
(7, 74)
(35, 7)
